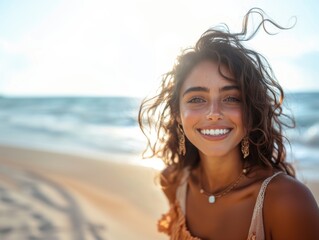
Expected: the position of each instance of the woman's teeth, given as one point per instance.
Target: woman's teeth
(214, 132)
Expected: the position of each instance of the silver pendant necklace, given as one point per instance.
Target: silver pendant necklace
(213, 196)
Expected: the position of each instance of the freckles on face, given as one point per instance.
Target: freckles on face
(211, 109)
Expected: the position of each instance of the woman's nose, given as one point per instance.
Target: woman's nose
(214, 113)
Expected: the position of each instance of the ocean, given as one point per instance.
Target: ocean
(104, 126)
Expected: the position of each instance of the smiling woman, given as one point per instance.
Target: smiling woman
(211, 110)
(218, 121)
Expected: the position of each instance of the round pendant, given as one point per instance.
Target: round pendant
(211, 199)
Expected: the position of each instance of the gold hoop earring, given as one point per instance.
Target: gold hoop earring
(245, 147)
(181, 141)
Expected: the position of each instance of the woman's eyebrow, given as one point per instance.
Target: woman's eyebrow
(205, 89)
(228, 88)
(196, 89)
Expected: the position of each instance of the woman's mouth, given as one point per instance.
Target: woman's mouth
(215, 132)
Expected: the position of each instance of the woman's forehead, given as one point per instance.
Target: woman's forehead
(207, 73)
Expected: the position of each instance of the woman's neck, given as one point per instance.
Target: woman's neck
(216, 173)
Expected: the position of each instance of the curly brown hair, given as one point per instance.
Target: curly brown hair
(262, 99)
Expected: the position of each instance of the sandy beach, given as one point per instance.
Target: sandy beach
(47, 195)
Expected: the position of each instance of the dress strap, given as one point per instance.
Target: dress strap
(257, 226)
(181, 190)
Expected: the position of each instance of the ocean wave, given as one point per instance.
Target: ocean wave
(307, 136)
(311, 136)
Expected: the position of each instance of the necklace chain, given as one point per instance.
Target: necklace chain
(212, 197)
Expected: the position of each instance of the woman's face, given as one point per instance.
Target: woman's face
(211, 111)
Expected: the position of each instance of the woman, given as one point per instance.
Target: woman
(218, 120)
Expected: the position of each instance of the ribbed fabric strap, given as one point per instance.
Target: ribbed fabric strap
(257, 223)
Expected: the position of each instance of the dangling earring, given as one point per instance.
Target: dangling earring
(245, 147)
(181, 141)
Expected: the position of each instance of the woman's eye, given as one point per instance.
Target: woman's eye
(232, 99)
(196, 100)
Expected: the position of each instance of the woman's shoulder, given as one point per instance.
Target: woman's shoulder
(285, 190)
(290, 210)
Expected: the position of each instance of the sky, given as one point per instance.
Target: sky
(121, 47)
